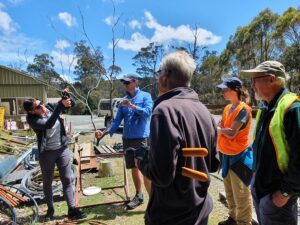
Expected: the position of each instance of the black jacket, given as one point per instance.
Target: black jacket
(179, 120)
(40, 126)
(268, 177)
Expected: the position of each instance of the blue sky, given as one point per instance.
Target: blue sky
(29, 27)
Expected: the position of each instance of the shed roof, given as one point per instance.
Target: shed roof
(7, 76)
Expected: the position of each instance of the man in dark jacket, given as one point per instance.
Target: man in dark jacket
(53, 149)
(276, 184)
(179, 120)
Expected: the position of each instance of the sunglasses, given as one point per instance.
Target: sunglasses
(39, 106)
(127, 82)
(253, 79)
(158, 72)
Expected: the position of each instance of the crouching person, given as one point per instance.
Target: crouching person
(53, 149)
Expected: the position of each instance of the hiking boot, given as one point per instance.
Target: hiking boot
(49, 215)
(229, 221)
(136, 201)
(75, 214)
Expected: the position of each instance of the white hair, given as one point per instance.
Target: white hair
(181, 66)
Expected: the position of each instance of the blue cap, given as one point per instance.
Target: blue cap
(129, 77)
(230, 82)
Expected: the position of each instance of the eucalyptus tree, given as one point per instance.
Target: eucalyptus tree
(43, 67)
(288, 26)
(147, 59)
(147, 62)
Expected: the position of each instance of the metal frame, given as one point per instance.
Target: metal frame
(79, 190)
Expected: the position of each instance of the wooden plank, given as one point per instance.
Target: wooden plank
(111, 149)
(86, 149)
(100, 149)
(107, 149)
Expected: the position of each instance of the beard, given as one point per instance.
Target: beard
(258, 97)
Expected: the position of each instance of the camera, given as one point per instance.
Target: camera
(65, 95)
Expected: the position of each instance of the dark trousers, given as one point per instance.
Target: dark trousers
(61, 158)
(269, 214)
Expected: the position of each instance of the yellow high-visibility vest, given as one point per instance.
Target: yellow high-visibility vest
(276, 130)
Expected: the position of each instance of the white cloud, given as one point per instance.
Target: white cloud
(67, 78)
(64, 62)
(67, 19)
(17, 47)
(62, 44)
(135, 43)
(167, 34)
(135, 24)
(7, 25)
(20, 50)
(110, 20)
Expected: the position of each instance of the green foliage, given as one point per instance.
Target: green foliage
(288, 25)
(147, 59)
(89, 69)
(149, 84)
(291, 58)
(89, 61)
(43, 68)
(78, 109)
(268, 36)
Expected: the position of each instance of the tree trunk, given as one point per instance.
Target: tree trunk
(106, 168)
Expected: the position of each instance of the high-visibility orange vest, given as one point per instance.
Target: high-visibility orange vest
(241, 141)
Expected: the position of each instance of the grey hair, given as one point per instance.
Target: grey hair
(180, 66)
(281, 81)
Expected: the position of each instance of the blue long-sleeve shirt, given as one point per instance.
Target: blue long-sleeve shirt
(137, 121)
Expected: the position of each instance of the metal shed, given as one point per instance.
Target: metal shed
(15, 87)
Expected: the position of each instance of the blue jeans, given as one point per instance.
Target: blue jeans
(269, 214)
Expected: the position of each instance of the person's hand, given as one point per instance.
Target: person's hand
(66, 90)
(98, 134)
(127, 103)
(221, 123)
(278, 199)
(66, 102)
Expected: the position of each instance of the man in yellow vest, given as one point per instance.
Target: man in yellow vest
(276, 183)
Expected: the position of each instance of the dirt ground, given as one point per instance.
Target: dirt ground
(117, 214)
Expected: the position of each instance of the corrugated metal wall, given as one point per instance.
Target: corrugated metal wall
(17, 84)
(7, 91)
(9, 76)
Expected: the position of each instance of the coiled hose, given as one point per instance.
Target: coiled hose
(34, 188)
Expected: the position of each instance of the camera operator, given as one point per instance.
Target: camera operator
(53, 149)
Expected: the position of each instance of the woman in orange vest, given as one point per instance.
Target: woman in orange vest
(236, 152)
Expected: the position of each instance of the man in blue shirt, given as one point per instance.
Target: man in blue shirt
(135, 109)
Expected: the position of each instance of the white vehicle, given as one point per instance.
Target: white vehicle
(105, 110)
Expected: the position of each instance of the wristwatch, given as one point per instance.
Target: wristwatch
(285, 194)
